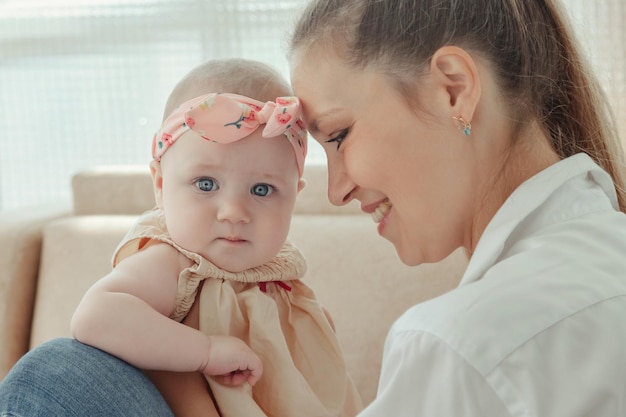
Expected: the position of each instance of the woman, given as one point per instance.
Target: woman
(476, 124)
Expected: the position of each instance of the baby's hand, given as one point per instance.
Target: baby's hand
(232, 362)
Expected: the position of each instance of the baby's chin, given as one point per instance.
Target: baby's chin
(236, 266)
(240, 257)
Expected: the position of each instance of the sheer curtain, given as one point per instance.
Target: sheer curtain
(601, 27)
(83, 82)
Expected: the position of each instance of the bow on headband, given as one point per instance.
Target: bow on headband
(226, 118)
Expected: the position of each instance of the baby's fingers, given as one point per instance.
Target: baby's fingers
(232, 362)
(240, 377)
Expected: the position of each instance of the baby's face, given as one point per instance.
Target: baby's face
(231, 203)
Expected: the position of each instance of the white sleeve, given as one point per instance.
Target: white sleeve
(422, 377)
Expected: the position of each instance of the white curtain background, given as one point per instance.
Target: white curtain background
(601, 29)
(84, 82)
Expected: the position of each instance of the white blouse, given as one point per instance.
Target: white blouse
(537, 326)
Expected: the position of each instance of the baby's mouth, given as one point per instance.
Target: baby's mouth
(381, 210)
(232, 239)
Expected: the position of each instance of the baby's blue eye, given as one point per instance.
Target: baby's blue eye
(206, 184)
(262, 190)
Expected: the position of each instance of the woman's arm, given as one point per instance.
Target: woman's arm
(423, 376)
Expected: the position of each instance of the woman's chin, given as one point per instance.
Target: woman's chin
(412, 255)
(409, 258)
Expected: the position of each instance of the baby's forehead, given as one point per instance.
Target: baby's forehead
(253, 153)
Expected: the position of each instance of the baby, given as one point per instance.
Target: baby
(205, 292)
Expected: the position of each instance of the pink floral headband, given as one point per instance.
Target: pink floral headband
(226, 118)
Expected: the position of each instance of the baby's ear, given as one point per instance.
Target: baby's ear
(301, 184)
(157, 182)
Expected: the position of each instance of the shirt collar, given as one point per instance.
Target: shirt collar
(526, 200)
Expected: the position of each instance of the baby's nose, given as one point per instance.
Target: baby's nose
(233, 209)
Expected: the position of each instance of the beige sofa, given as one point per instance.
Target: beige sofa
(51, 255)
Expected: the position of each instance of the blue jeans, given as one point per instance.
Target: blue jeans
(67, 378)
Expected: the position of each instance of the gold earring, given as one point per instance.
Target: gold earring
(464, 125)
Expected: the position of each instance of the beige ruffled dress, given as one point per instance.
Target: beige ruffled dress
(271, 309)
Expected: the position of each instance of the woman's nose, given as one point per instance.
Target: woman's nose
(340, 185)
(233, 209)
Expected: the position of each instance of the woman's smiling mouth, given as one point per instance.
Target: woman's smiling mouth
(381, 210)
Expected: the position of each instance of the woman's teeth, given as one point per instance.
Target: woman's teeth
(380, 211)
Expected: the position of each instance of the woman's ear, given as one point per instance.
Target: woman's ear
(457, 73)
(157, 182)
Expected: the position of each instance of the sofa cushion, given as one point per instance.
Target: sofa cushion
(76, 253)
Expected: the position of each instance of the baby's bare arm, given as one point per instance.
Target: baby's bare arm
(126, 313)
(187, 393)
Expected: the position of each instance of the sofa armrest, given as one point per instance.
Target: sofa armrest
(20, 240)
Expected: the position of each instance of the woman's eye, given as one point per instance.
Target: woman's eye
(339, 138)
(206, 184)
(262, 190)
